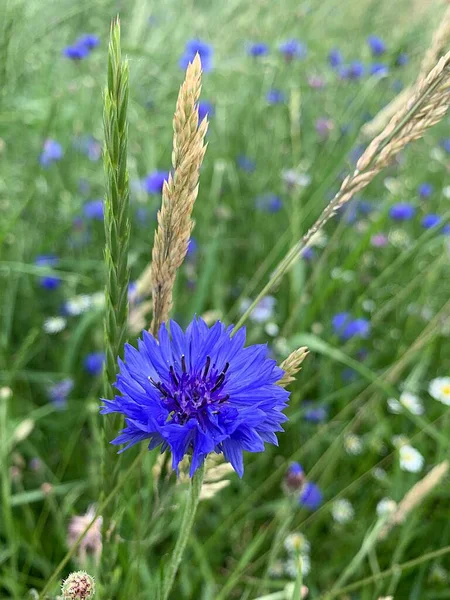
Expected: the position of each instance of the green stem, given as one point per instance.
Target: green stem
(186, 526)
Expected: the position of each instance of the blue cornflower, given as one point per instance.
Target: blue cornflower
(205, 109)
(376, 45)
(346, 327)
(430, 221)
(402, 211)
(293, 49)
(203, 49)
(245, 163)
(59, 391)
(52, 152)
(310, 497)
(275, 96)
(199, 391)
(82, 47)
(445, 143)
(153, 183)
(355, 70)
(89, 146)
(89, 41)
(258, 49)
(93, 209)
(294, 477)
(269, 203)
(335, 58)
(315, 414)
(192, 248)
(93, 363)
(379, 69)
(425, 190)
(262, 312)
(307, 253)
(402, 59)
(49, 282)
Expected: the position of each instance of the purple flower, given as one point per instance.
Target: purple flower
(335, 58)
(197, 392)
(245, 163)
(379, 240)
(324, 127)
(294, 477)
(425, 190)
(52, 152)
(402, 211)
(376, 45)
(355, 70)
(93, 363)
(269, 203)
(379, 69)
(153, 183)
(82, 47)
(192, 248)
(89, 146)
(59, 391)
(402, 60)
(203, 49)
(93, 210)
(292, 49)
(205, 109)
(49, 282)
(257, 49)
(307, 253)
(346, 327)
(310, 497)
(314, 414)
(275, 96)
(89, 41)
(430, 221)
(445, 143)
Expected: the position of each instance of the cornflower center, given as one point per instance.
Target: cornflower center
(188, 395)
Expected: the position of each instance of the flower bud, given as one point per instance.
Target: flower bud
(78, 586)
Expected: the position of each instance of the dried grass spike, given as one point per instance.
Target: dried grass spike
(292, 365)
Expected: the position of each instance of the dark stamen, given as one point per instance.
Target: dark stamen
(208, 362)
(183, 363)
(159, 386)
(172, 374)
(225, 398)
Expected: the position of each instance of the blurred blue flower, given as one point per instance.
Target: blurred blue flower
(379, 69)
(82, 47)
(293, 49)
(355, 70)
(335, 58)
(402, 59)
(262, 312)
(204, 50)
(142, 214)
(402, 211)
(52, 152)
(199, 391)
(49, 282)
(269, 203)
(245, 163)
(192, 248)
(93, 363)
(89, 41)
(307, 253)
(205, 108)
(275, 96)
(425, 190)
(257, 49)
(346, 327)
(153, 183)
(93, 210)
(445, 143)
(59, 391)
(89, 146)
(313, 413)
(310, 497)
(376, 45)
(430, 221)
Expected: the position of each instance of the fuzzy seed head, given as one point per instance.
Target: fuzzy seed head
(78, 586)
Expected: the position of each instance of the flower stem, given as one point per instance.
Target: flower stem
(186, 526)
(117, 234)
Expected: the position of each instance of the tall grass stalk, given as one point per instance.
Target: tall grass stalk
(117, 233)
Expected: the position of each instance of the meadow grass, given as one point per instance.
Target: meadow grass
(392, 274)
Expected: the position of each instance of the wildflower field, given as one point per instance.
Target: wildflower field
(225, 248)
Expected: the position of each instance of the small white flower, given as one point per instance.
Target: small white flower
(386, 506)
(446, 191)
(297, 543)
(292, 566)
(410, 459)
(394, 406)
(379, 474)
(277, 569)
(54, 324)
(353, 444)
(342, 511)
(78, 305)
(399, 440)
(272, 329)
(411, 402)
(439, 389)
(295, 178)
(369, 305)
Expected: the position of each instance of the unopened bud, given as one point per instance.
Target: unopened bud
(294, 478)
(78, 586)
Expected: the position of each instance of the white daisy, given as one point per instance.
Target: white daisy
(54, 324)
(78, 305)
(411, 402)
(296, 543)
(399, 440)
(394, 406)
(439, 389)
(272, 329)
(386, 506)
(353, 444)
(410, 459)
(379, 474)
(342, 511)
(292, 565)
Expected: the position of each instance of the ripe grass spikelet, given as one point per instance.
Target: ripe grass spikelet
(415, 496)
(292, 365)
(178, 196)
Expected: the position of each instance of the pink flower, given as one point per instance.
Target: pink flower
(92, 541)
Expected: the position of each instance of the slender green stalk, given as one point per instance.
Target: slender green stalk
(117, 233)
(186, 526)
